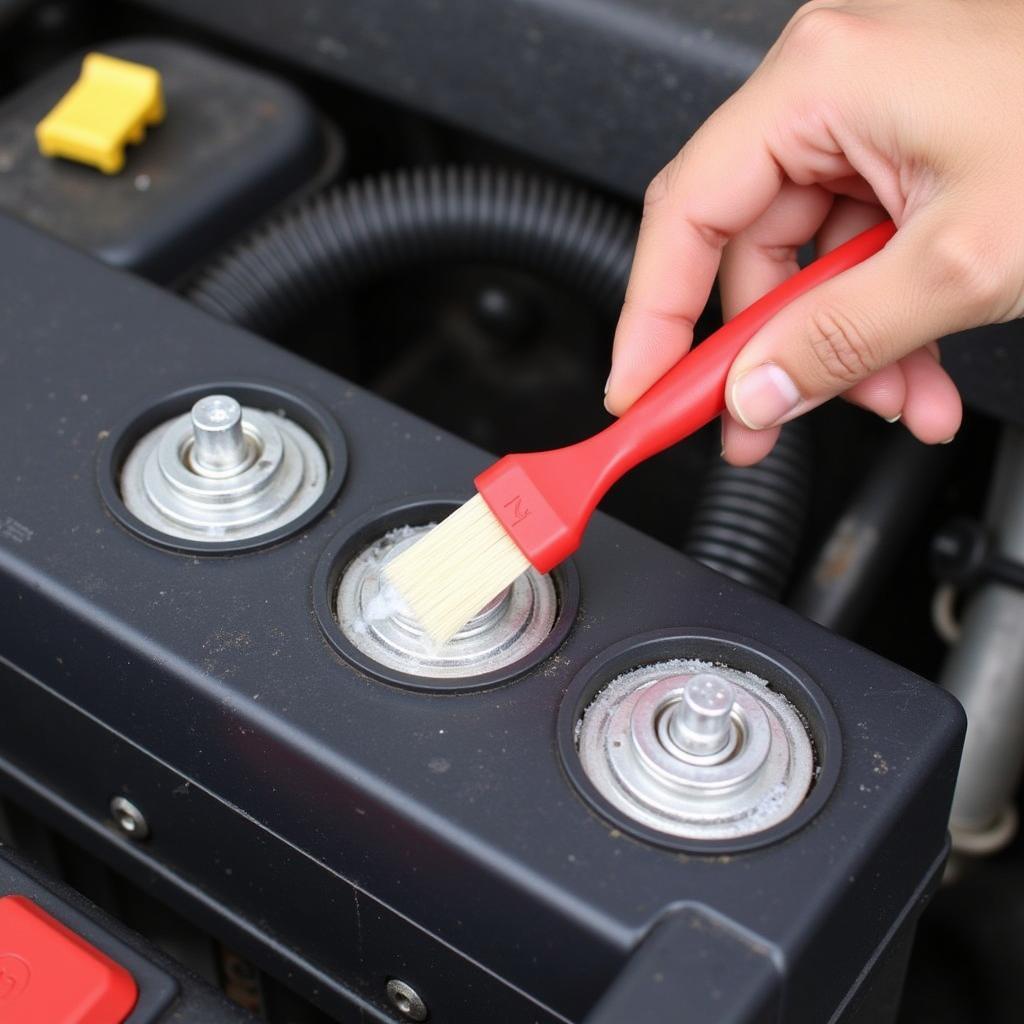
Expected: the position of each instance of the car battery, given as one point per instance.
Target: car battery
(632, 790)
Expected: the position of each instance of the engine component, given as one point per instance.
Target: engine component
(222, 696)
(109, 106)
(961, 555)
(860, 551)
(235, 144)
(696, 750)
(748, 520)
(354, 831)
(985, 671)
(367, 230)
(371, 615)
(223, 472)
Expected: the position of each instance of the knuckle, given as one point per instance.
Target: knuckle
(660, 186)
(784, 255)
(968, 269)
(665, 187)
(840, 347)
(817, 31)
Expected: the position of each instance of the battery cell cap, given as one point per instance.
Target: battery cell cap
(50, 975)
(109, 106)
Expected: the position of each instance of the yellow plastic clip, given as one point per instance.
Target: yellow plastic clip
(110, 105)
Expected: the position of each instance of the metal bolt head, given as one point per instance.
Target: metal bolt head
(128, 818)
(406, 1000)
(218, 441)
(701, 721)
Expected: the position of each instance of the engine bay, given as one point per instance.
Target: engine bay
(705, 770)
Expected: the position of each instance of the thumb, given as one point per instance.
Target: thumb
(921, 286)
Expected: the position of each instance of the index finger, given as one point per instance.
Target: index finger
(721, 181)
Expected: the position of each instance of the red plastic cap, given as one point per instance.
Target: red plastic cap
(50, 975)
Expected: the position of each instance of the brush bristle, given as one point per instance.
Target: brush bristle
(456, 569)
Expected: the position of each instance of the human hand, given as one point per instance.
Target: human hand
(861, 110)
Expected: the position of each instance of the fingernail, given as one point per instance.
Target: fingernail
(607, 383)
(763, 396)
(949, 440)
(893, 419)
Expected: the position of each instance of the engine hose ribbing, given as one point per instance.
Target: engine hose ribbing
(385, 224)
(747, 522)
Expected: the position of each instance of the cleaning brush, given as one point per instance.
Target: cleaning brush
(531, 510)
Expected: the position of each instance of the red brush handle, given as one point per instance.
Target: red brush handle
(544, 499)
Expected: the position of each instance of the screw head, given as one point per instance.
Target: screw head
(406, 1000)
(128, 818)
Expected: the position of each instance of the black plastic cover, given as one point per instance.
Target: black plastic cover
(609, 90)
(235, 143)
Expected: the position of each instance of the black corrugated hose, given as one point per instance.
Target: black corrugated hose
(747, 522)
(371, 229)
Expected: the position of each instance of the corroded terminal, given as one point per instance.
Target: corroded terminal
(375, 617)
(697, 751)
(456, 569)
